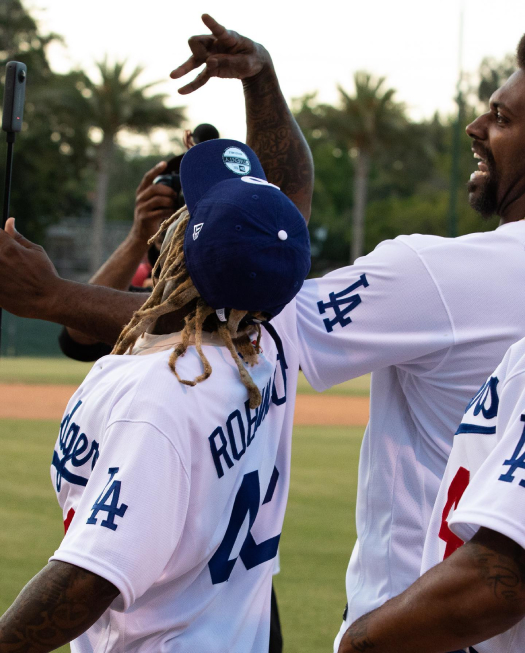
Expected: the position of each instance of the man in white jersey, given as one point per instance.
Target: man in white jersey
(479, 591)
(430, 317)
(475, 595)
(172, 464)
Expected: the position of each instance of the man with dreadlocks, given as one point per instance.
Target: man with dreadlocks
(172, 463)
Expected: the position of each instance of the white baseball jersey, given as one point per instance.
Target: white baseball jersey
(484, 481)
(176, 494)
(430, 317)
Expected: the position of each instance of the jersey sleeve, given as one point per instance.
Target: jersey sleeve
(384, 310)
(495, 496)
(130, 517)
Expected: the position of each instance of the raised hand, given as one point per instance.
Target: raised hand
(27, 275)
(225, 53)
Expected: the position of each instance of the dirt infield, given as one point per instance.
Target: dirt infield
(19, 401)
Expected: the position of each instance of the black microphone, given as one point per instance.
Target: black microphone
(12, 117)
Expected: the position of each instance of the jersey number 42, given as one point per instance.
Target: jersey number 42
(252, 554)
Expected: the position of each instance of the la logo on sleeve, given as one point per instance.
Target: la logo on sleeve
(108, 502)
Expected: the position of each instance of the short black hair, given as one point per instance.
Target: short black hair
(520, 53)
(204, 132)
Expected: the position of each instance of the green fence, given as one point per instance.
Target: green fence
(22, 337)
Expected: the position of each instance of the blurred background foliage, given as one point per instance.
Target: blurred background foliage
(373, 162)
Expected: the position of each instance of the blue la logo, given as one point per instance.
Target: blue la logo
(342, 303)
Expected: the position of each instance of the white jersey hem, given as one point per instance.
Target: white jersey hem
(466, 523)
(96, 566)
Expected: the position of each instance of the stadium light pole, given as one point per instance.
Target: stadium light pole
(456, 137)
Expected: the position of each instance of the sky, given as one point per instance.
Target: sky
(314, 46)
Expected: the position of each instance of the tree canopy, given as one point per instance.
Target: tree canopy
(407, 162)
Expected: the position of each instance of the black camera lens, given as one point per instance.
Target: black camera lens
(172, 180)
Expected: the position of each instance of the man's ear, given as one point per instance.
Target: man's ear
(188, 139)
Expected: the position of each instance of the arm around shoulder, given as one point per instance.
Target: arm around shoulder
(476, 594)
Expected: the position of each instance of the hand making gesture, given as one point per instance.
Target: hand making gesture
(225, 53)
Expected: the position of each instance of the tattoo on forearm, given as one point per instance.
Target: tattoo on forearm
(57, 606)
(500, 576)
(503, 570)
(277, 140)
(356, 637)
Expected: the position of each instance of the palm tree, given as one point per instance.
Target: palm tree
(113, 104)
(364, 122)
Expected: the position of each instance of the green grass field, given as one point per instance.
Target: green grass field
(64, 370)
(31, 519)
(42, 370)
(317, 538)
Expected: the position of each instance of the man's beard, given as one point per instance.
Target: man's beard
(483, 189)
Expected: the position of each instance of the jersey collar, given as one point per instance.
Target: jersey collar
(150, 343)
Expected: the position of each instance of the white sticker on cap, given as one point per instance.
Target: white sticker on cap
(258, 182)
(197, 229)
(236, 161)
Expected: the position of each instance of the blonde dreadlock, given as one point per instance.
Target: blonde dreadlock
(173, 271)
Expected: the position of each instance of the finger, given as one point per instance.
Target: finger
(200, 48)
(226, 37)
(157, 202)
(148, 178)
(154, 190)
(199, 81)
(11, 234)
(10, 227)
(158, 217)
(185, 68)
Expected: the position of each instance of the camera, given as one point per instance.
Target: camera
(172, 180)
(170, 177)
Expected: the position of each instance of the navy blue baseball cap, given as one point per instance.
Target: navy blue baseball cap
(246, 245)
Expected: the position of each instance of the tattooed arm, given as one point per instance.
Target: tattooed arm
(55, 607)
(271, 128)
(475, 594)
(275, 137)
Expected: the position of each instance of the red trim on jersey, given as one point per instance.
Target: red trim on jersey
(455, 492)
(68, 519)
